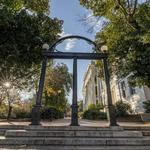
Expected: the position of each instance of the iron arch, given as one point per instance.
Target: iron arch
(50, 54)
(53, 46)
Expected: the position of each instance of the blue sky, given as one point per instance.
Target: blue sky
(71, 12)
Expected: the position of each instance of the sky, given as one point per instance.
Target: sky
(71, 12)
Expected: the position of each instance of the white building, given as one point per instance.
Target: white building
(93, 87)
(94, 90)
(122, 90)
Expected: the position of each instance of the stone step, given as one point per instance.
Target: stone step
(13, 127)
(23, 147)
(137, 128)
(75, 141)
(58, 128)
(75, 133)
(146, 133)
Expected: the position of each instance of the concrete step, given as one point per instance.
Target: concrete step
(4, 128)
(23, 147)
(74, 138)
(75, 133)
(39, 127)
(146, 133)
(76, 141)
(137, 128)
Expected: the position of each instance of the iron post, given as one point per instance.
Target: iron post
(74, 106)
(111, 109)
(35, 120)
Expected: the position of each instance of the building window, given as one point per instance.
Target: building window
(123, 89)
(96, 101)
(132, 90)
(96, 91)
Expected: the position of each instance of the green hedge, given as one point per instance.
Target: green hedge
(23, 115)
(146, 106)
(122, 109)
(94, 114)
(51, 113)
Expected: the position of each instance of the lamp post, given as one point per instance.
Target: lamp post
(35, 120)
(110, 110)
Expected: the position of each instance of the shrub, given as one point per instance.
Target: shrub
(22, 115)
(51, 113)
(3, 111)
(18, 113)
(146, 106)
(94, 114)
(98, 106)
(122, 109)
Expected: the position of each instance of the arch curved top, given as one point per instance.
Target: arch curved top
(52, 47)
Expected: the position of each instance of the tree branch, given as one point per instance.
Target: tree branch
(135, 7)
(122, 7)
(128, 2)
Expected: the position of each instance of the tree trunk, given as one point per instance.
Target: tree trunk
(9, 111)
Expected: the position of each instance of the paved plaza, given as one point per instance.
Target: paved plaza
(66, 122)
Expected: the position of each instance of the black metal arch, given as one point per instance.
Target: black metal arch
(50, 54)
(52, 47)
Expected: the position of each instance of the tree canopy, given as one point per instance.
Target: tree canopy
(57, 86)
(24, 26)
(126, 33)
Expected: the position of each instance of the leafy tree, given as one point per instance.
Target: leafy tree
(57, 86)
(126, 32)
(10, 97)
(24, 27)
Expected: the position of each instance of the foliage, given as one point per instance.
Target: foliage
(122, 109)
(126, 32)
(24, 27)
(146, 106)
(93, 112)
(80, 106)
(3, 111)
(34, 5)
(22, 115)
(98, 106)
(68, 110)
(9, 96)
(51, 113)
(57, 86)
(20, 110)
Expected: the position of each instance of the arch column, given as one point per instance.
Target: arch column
(110, 107)
(35, 118)
(74, 106)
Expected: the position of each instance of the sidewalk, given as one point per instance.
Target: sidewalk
(66, 122)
